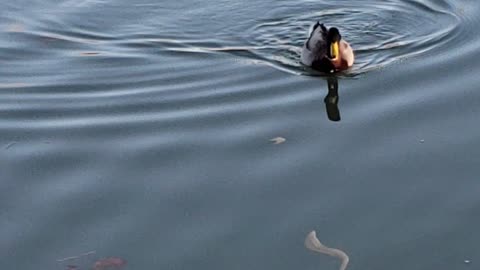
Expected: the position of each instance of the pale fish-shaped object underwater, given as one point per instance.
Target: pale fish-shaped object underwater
(312, 243)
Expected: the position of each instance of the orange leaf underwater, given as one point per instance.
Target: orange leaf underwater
(109, 263)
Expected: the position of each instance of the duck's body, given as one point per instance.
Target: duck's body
(325, 50)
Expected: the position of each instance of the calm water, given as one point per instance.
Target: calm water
(141, 130)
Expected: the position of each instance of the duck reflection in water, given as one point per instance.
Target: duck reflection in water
(331, 100)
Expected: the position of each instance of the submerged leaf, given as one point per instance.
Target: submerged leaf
(109, 263)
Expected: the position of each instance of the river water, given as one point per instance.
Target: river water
(141, 130)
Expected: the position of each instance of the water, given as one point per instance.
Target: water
(141, 130)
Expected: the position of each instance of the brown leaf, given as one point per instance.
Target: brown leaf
(109, 263)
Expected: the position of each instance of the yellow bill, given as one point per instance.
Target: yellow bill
(334, 50)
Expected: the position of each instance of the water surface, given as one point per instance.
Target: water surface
(141, 130)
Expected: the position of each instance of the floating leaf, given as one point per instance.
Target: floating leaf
(89, 53)
(278, 140)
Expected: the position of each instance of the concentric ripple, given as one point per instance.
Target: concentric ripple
(380, 32)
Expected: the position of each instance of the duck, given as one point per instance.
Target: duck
(326, 51)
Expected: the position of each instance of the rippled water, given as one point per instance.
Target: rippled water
(141, 130)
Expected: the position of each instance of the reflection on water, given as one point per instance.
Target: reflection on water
(331, 99)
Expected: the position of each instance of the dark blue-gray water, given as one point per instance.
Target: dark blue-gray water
(141, 130)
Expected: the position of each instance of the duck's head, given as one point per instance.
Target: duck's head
(333, 40)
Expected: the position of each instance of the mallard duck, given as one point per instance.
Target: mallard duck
(326, 51)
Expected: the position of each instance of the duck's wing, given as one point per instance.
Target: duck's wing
(324, 29)
(317, 43)
(317, 32)
(315, 48)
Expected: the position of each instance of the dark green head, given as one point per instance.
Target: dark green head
(333, 40)
(333, 35)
